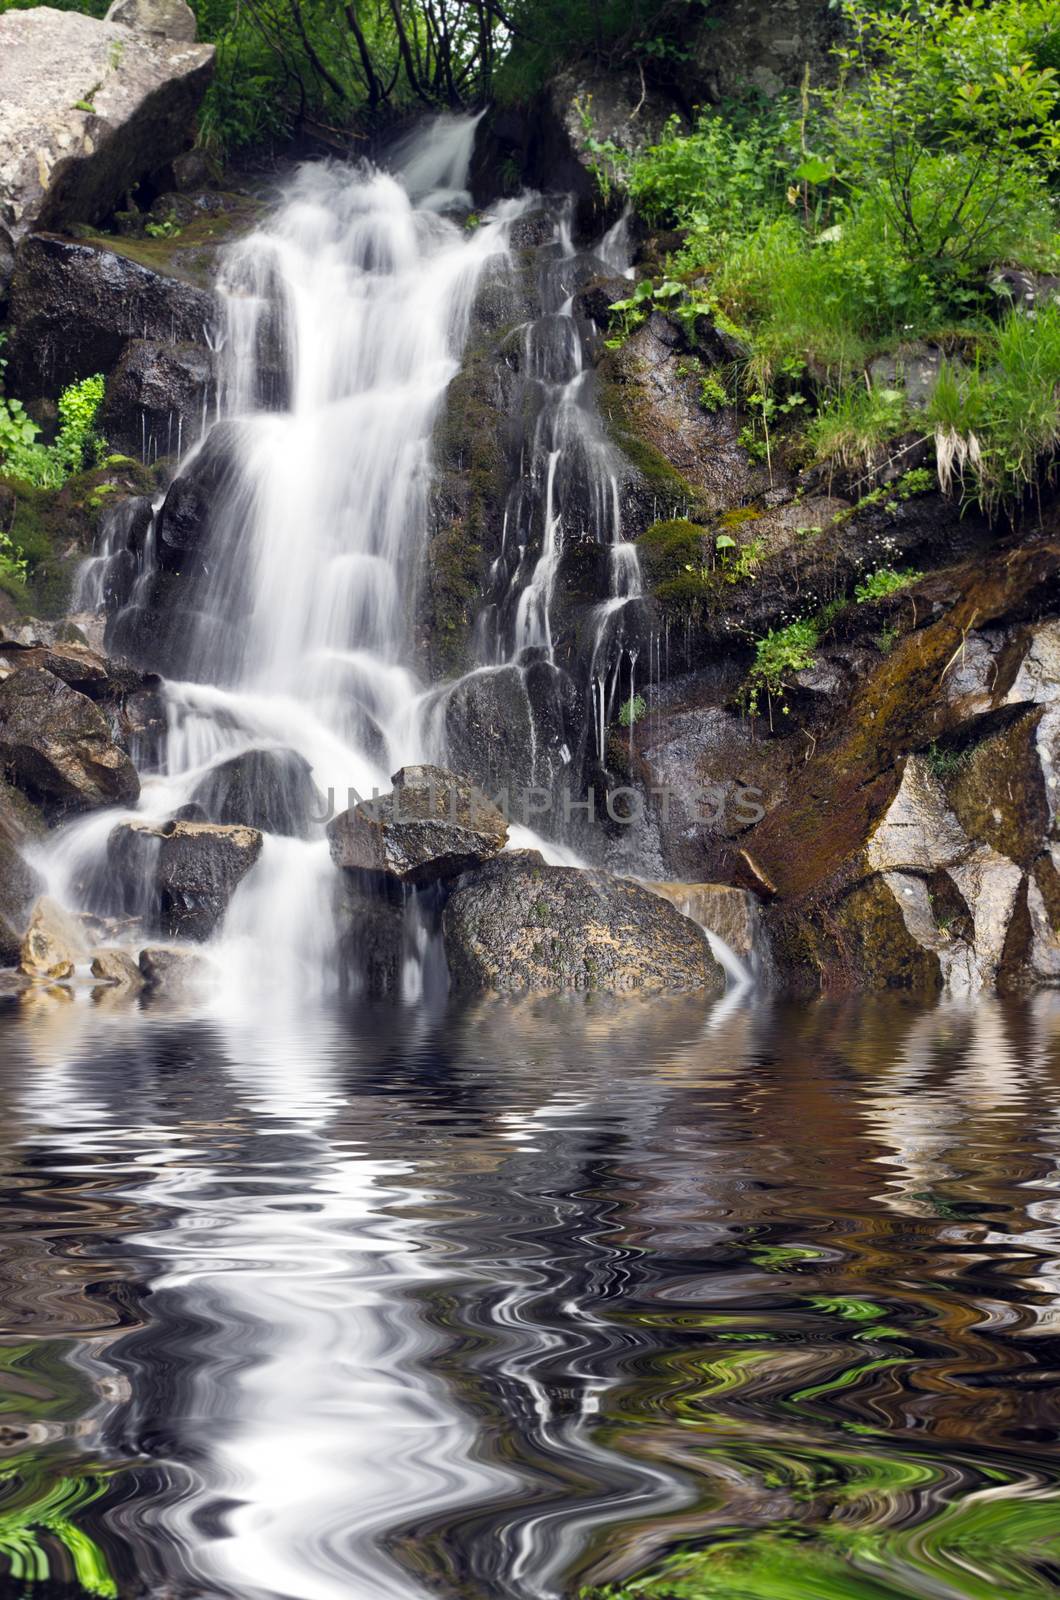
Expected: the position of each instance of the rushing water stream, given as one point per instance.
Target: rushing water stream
(503, 1300)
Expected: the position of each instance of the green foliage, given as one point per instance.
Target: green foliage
(997, 425)
(713, 395)
(737, 563)
(718, 181)
(632, 711)
(854, 426)
(781, 653)
(49, 466)
(944, 763)
(942, 111)
(841, 225)
(884, 581)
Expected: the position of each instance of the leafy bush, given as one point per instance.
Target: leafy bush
(76, 444)
(870, 213)
(716, 181)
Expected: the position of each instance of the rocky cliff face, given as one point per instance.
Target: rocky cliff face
(86, 109)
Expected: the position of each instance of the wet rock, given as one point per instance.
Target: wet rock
(54, 943)
(169, 19)
(77, 665)
(176, 974)
(917, 832)
(189, 870)
(730, 913)
(689, 460)
(75, 305)
(914, 369)
(56, 746)
(272, 790)
(519, 925)
(435, 824)
(503, 724)
(373, 938)
(158, 398)
(117, 967)
(86, 109)
(197, 499)
(20, 884)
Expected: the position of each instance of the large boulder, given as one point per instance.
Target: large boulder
(56, 746)
(272, 790)
(519, 925)
(434, 825)
(76, 305)
(87, 108)
(117, 967)
(180, 876)
(168, 19)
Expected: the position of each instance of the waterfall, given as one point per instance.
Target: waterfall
(344, 320)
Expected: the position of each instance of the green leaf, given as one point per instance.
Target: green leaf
(814, 170)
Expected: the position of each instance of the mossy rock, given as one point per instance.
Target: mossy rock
(55, 529)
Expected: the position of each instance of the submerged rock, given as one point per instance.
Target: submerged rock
(54, 944)
(56, 745)
(519, 925)
(268, 789)
(434, 825)
(86, 109)
(182, 875)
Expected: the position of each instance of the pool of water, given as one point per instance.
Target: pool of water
(524, 1299)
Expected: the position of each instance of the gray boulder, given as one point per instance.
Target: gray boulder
(519, 925)
(167, 19)
(189, 870)
(268, 789)
(55, 745)
(434, 825)
(86, 109)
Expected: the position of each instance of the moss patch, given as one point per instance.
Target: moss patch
(56, 528)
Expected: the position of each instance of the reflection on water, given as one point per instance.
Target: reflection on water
(518, 1301)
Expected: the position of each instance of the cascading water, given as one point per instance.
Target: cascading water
(353, 303)
(294, 533)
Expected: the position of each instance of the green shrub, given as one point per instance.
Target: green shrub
(854, 426)
(715, 181)
(884, 581)
(632, 711)
(781, 653)
(76, 444)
